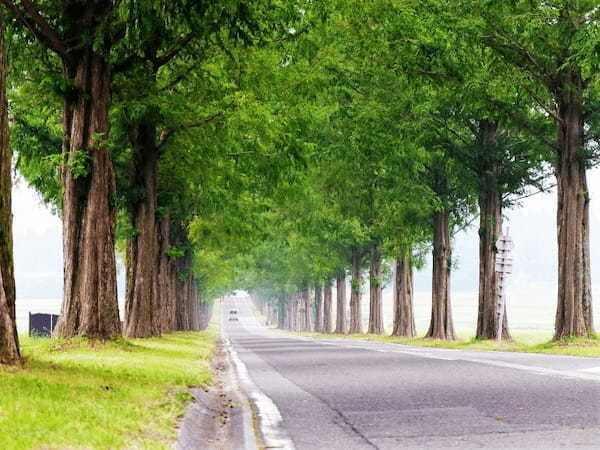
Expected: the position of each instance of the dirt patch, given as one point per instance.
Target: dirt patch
(216, 419)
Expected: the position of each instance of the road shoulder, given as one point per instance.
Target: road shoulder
(220, 417)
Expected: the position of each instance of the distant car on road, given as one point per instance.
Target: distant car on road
(233, 315)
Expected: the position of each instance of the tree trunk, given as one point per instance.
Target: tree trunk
(292, 313)
(298, 313)
(206, 311)
(90, 291)
(404, 318)
(490, 229)
(574, 309)
(340, 322)
(185, 291)
(166, 279)
(307, 307)
(355, 294)
(142, 307)
(319, 305)
(327, 301)
(9, 340)
(441, 326)
(281, 316)
(194, 299)
(376, 287)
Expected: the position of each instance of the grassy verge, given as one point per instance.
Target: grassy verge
(82, 394)
(529, 343)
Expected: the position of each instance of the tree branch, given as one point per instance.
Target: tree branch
(168, 56)
(542, 105)
(525, 60)
(167, 134)
(517, 117)
(38, 25)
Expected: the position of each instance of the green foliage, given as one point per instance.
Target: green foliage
(79, 163)
(286, 135)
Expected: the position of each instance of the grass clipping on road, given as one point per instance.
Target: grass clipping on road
(83, 394)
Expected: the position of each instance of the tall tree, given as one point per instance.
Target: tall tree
(404, 319)
(83, 37)
(327, 302)
(319, 307)
(376, 290)
(356, 284)
(340, 320)
(9, 340)
(550, 44)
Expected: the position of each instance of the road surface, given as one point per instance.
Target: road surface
(350, 394)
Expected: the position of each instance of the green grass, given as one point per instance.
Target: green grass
(526, 342)
(82, 394)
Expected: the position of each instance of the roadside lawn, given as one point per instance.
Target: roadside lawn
(522, 342)
(82, 394)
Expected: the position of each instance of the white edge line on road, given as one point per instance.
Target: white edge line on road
(582, 374)
(273, 434)
(579, 374)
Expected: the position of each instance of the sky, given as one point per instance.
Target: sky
(38, 246)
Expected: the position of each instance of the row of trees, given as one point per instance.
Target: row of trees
(422, 116)
(126, 116)
(277, 146)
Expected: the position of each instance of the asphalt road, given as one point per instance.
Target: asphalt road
(349, 394)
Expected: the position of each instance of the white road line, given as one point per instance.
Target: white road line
(433, 354)
(269, 418)
(273, 434)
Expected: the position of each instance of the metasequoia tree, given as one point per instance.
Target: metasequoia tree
(375, 288)
(340, 318)
(356, 284)
(83, 35)
(549, 43)
(319, 307)
(166, 57)
(327, 302)
(441, 326)
(9, 341)
(404, 319)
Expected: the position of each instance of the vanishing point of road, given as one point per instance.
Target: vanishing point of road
(350, 394)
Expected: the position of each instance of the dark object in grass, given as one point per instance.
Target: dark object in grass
(42, 325)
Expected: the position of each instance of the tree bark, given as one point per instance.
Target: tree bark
(281, 314)
(490, 229)
(89, 214)
(142, 307)
(194, 299)
(186, 300)
(166, 278)
(291, 314)
(327, 301)
(307, 307)
(9, 340)
(574, 308)
(404, 318)
(340, 322)
(319, 307)
(206, 311)
(298, 313)
(355, 294)
(441, 326)
(376, 287)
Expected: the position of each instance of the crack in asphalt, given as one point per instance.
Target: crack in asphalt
(344, 419)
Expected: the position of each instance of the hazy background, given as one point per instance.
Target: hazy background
(531, 293)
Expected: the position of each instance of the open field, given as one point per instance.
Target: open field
(123, 394)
